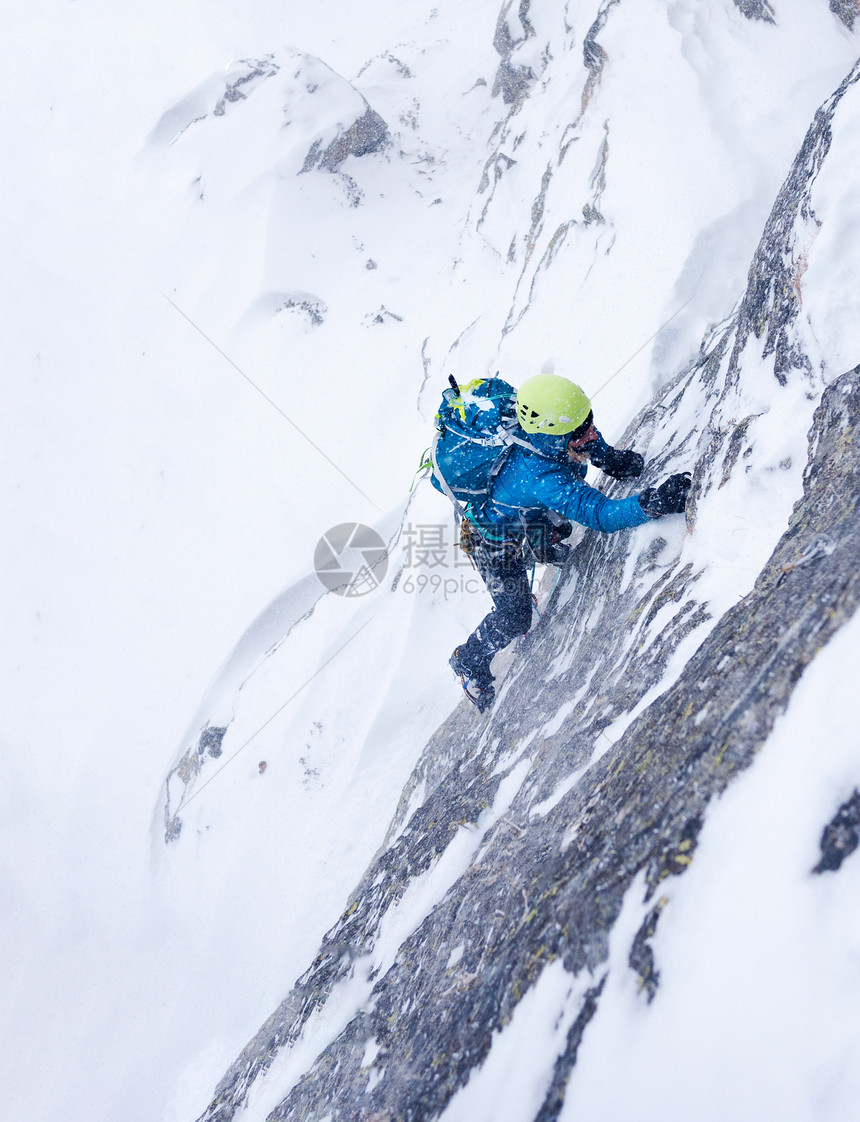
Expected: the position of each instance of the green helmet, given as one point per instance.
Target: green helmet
(551, 404)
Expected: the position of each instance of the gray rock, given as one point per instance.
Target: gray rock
(841, 836)
(593, 55)
(256, 69)
(367, 134)
(756, 9)
(512, 82)
(771, 303)
(846, 10)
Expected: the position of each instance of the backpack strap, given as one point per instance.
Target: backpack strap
(530, 447)
(459, 509)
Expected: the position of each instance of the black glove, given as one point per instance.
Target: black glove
(555, 554)
(558, 550)
(669, 498)
(623, 463)
(546, 542)
(617, 462)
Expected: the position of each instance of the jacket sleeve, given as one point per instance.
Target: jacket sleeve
(556, 487)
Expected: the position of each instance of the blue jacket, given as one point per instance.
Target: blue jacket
(534, 480)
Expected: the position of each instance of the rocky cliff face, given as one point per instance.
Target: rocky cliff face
(846, 10)
(637, 700)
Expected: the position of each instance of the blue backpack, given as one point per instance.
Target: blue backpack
(475, 428)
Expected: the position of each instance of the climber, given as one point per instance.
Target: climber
(534, 492)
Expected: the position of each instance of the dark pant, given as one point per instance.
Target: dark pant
(503, 569)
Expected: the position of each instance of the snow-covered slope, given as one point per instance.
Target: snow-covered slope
(228, 287)
(526, 860)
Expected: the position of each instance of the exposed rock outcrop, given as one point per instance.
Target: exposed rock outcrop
(536, 247)
(841, 836)
(846, 10)
(368, 133)
(756, 9)
(239, 87)
(512, 81)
